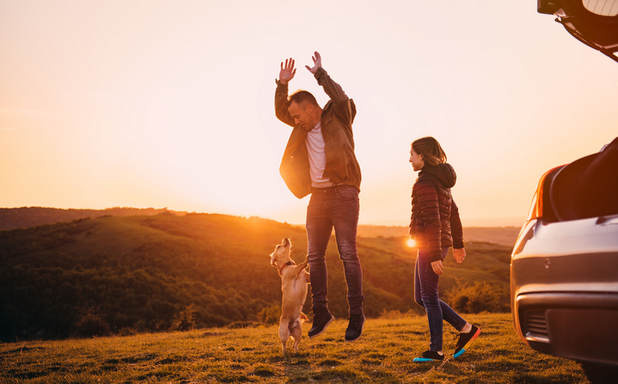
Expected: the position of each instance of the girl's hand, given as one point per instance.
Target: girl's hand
(460, 255)
(437, 267)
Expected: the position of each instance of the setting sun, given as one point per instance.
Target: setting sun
(411, 243)
(170, 104)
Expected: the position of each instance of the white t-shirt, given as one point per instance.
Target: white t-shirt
(317, 157)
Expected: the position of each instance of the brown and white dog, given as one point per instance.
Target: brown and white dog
(294, 280)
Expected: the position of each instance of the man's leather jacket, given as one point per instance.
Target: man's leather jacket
(337, 118)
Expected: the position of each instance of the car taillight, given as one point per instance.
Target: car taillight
(536, 208)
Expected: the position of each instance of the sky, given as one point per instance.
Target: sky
(151, 103)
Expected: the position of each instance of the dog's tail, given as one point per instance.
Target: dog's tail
(303, 318)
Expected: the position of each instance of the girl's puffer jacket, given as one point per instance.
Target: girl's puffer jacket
(435, 221)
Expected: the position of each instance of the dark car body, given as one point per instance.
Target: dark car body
(593, 22)
(564, 266)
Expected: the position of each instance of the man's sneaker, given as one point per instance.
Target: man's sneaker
(465, 340)
(321, 319)
(355, 327)
(428, 356)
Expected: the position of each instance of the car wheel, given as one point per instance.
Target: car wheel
(600, 374)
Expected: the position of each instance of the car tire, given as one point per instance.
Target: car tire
(600, 374)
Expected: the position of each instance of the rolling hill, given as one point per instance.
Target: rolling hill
(146, 273)
(25, 217)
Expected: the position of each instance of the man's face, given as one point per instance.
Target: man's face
(302, 115)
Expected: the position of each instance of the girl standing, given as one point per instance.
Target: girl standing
(435, 226)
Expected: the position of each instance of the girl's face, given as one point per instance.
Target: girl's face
(417, 160)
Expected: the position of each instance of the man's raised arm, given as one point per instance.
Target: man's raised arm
(331, 88)
(286, 74)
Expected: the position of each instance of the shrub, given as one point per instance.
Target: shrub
(185, 319)
(89, 324)
(270, 315)
(480, 297)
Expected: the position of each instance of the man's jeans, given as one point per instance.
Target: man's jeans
(426, 295)
(336, 207)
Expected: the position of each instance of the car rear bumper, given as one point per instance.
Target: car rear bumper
(564, 288)
(575, 325)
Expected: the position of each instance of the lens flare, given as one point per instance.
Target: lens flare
(411, 243)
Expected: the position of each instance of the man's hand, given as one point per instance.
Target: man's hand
(460, 255)
(317, 63)
(437, 267)
(287, 71)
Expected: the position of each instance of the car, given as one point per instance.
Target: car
(593, 22)
(564, 265)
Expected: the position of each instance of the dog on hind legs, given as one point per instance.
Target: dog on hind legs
(294, 280)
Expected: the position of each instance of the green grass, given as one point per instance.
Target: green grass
(253, 355)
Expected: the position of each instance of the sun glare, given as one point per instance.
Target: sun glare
(411, 243)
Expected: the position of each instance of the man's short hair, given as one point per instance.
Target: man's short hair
(300, 97)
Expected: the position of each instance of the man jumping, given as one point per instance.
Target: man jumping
(319, 160)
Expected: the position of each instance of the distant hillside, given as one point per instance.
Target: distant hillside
(26, 217)
(496, 235)
(165, 271)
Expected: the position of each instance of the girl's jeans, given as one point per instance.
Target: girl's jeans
(336, 207)
(426, 295)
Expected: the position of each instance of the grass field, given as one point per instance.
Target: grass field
(253, 355)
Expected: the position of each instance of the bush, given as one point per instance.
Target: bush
(480, 297)
(270, 315)
(185, 319)
(89, 324)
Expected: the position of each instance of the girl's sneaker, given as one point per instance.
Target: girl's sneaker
(465, 340)
(429, 356)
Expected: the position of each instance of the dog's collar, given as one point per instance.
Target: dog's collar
(291, 262)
